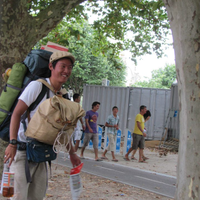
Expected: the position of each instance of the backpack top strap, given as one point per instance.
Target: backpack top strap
(46, 84)
(63, 90)
(45, 90)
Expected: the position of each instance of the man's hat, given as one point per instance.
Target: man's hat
(61, 54)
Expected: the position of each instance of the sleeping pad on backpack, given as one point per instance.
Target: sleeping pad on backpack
(11, 89)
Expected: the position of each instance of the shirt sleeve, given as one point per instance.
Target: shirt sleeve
(31, 92)
(138, 118)
(108, 120)
(87, 116)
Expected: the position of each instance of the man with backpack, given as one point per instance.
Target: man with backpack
(61, 65)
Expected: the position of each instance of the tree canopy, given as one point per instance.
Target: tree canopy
(92, 65)
(24, 23)
(161, 78)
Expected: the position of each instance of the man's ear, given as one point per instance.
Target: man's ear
(50, 66)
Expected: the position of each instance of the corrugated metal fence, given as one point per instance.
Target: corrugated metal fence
(173, 124)
(128, 100)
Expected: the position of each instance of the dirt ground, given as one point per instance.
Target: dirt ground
(97, 188)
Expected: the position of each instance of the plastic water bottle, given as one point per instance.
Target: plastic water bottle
(75, 182)
(7, 183)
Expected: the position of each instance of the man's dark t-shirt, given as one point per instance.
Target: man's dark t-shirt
(92, 120)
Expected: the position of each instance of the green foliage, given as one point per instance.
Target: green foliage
(92, 63)
(161, 78)
(140, 26)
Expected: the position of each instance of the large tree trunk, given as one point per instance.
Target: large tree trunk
(20, 31)
(184, 19)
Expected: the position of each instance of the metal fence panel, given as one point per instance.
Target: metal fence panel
(173, 126)
(157, 101)
(108, 97)
(128, 100)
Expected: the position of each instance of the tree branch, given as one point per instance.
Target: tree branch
(48, 18)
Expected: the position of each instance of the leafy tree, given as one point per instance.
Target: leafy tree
(92, 65)
(161, 78)
(145, 21)
(25, 22)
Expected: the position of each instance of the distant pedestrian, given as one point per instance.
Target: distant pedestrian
(91, 130)
(79, 126)
(138, 134)
(147, 116)
(112, 124)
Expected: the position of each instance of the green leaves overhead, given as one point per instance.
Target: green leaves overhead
(95, 59)
(161, 78)
(140, 26)
(35, 6)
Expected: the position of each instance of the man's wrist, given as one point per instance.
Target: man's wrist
(13, 146)
(72, 153)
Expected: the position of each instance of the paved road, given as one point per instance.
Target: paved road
(150, 181)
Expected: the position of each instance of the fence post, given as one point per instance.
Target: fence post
(118, 141)
(127, 141)
(99, 131)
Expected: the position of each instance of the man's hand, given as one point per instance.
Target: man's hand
(116, 126)
(10, 153)
(144, 134)
(83, 127)
(91, 131)
(75, 160)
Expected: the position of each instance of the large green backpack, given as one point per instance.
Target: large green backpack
(35, 65)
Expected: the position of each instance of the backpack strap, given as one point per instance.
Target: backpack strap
(44, 91)
(44, 82)
(63, 90)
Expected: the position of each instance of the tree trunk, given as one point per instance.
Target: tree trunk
(184, 19)
(20, 31)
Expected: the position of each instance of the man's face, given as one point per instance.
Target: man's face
(115, 111)
(62, 70)
(95, 108)
(78, 99)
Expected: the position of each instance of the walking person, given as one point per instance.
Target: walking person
(138, 135)
(80, 125)
(113, 125)
(61, 65)
(91, 130)
(147, 116)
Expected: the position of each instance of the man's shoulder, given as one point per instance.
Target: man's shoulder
(110, 116)
(138, 116)
(32, 87)
(89, 111)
